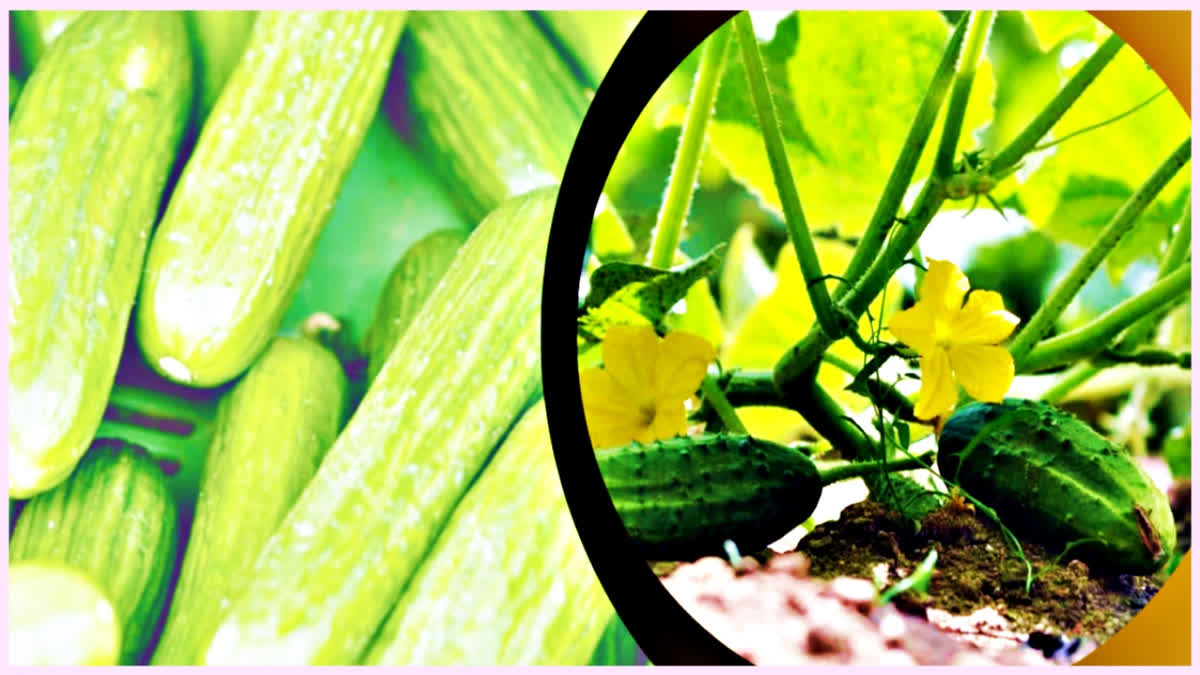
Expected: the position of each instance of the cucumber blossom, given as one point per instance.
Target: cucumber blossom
(1050, 476)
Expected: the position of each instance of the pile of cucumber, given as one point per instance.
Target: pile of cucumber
(215, 194)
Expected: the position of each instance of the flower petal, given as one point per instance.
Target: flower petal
(938, 392)
(944, 285)
(986, 372)
(683, 360)
(612, 419)
(670, 420)
(914, 326)
(629, 356)
(983, 320)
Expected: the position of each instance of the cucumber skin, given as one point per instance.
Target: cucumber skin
(272, 430)
(92, 140)
(35, 30)
(408, 286)
(682, 498)
(114, 520)
(252, 201)
(508, 582)
(488, 142)
(220, 38)
(455, 381)
(1050, 476)
(46, 601)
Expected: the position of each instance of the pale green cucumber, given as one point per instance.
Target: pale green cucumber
(508, 582)
(220, 38)
(91, 142)
(491, 104)
(272, 430)
(58, 616)
(251, 202)
(411, 282)
(36, 30)
(454, 383)
(592, 37)
(114, 520)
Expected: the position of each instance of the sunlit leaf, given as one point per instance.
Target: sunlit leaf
(745, 277)
(700, 315)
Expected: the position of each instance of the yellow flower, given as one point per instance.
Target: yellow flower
(639, 395)
(956, 341)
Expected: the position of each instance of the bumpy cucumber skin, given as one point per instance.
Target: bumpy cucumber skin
(91, 143)
(454, 383)
(412, 280)
(36, 30)
(113, 519)
(681, 499)
(508, 582)
(1050, 476)
(58, 616)
(220, 37)
(272, 430)
(251, 203)
(491, 103)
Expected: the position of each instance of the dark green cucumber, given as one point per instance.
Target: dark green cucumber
(91, 142)
(272, 430)
(410, 283)
(490, 103)
(1051, 477)
(681, 499)
(114, 520)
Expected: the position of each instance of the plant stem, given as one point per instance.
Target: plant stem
(785, 184)
(1077, 375)
(981, 24)
(686, 168)
(1177, 253)
(1037, 129)
(827, 417)
(1120, 224)
(1094, 337)
(835, 473)
(717, 400)
(888, 206)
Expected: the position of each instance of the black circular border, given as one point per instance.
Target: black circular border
(665, 632)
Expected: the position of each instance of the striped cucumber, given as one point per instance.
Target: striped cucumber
(91, 142)
(58, 616)
(251, 202)
(508, 582)
(489, 102)
(1050, 476)
(408, 286)
(220, 37)
(454, 383)
(272, 430)
(592, 37)
(114, 520)
(35, 30)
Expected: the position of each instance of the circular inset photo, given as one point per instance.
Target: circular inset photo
(881, 339)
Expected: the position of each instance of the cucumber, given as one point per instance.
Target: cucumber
(489, 103)
(272, 429)
(250, 204)
(682, 498)
(14, 92)
(114, 520)
(92, 140)
(220, 38)
(508, 582)
(58, 616)
(1051, 477)
(36, 30)
(592, 37)
(390, 200)
(455, 381)
(408, 286)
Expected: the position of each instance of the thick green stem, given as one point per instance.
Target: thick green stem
(1069, 380)
(717, 400)
(835, 473)
(1094, 337)
(1037, 129)
(785, 184)
(686, 168)
(981, 24)
(888, 206)
(1176, 255)
(829, 419)
(1123, 221)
